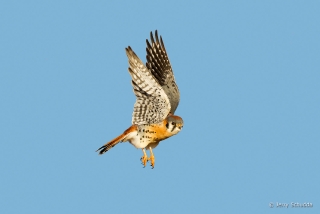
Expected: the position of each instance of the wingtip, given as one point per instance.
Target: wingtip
(128, 48)
(156, 34)
(155, 39)
(129, 51)
(151, 37)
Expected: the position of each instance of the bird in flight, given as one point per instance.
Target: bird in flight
(158, 96)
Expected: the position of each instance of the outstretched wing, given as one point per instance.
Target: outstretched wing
(159, 65)
(152, 104)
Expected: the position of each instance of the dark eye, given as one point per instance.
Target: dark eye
(173, 123)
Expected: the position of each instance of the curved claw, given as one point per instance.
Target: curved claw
(152, 160)
(144, 160)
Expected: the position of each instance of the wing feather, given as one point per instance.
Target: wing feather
(152, 104)
(159, 65)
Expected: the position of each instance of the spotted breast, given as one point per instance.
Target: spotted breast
(152, 134)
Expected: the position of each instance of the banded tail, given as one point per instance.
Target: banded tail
(106, 147)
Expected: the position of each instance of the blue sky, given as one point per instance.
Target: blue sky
(248, 73)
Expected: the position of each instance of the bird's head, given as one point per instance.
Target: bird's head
(174, 124)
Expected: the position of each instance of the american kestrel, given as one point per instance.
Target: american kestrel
(158, 97)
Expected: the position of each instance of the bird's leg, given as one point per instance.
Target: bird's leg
(151, 159)
(144, 158)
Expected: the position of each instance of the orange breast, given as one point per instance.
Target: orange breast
(153, 133)
(159, 131)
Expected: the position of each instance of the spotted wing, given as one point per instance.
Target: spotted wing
(152, 104)
(159, 65)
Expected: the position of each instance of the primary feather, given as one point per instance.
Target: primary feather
(152, 104)
(159, 65)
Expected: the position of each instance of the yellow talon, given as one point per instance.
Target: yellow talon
(144, 158)
(152, 158)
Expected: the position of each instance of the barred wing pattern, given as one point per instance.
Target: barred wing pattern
(152, 104)
(159, 65)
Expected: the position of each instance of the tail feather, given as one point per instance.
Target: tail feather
(106, 147)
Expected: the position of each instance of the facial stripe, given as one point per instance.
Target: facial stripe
(174, 126)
